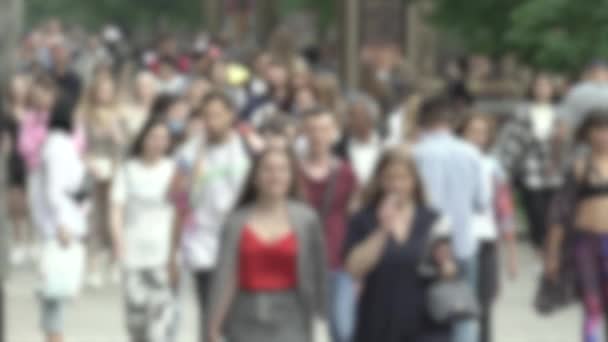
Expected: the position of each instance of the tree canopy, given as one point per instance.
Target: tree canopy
(131, 14)
(559, 35)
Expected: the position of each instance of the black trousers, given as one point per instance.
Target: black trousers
(202, 284)
(488, 276)
(536, 206)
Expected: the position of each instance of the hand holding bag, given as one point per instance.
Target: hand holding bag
(452, 299)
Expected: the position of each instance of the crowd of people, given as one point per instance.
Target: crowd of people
(301, 212)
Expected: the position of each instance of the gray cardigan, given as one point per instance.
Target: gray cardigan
(311, 263)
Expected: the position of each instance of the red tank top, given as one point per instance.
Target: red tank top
(267, 266)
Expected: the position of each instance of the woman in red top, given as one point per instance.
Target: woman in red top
(270, 285)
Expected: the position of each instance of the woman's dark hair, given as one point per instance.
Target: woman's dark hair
(434, 111)
(43, 81)
(161, 105)
(531, 91)
(62, 114)
(463, 125)
(137, 149)
(374, 192)
(249, 193)
(277, 124)
(216, 95)
(596, 118)
(169, 61)
(8, 126)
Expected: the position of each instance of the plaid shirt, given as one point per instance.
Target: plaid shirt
(533, 163)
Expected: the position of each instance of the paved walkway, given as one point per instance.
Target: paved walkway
(98, 316)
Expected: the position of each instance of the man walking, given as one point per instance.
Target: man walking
(451, 172)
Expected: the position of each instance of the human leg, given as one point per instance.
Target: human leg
(149, 304)
(588, 277)
(17, 210)
(202, 283)
(487, 287)
(342, 299)
(467, 330)
(52, 319)
(534, 203)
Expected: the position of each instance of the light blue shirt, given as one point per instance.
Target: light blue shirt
(451, 172)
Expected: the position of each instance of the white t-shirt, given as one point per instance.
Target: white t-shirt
(363, 157)
(485, 223)
(148, 212)
(213, 195)
(542, 117)
(63, 174)
(395, 129)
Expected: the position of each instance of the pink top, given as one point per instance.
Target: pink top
(32, 135)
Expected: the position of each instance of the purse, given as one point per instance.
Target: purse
(450, 300)
(320, 330)
(61, 269)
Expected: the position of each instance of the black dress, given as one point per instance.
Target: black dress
(16, 165)
(392, 306)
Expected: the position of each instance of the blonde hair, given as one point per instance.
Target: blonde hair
(90, 109)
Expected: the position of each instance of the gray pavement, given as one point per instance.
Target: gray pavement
(98, 316)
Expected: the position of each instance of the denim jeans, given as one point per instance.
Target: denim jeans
(467, 330)
(342, 304)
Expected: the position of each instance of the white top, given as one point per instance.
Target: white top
(143, 191)
(63, 176)
(485, 223)
(175, 86)
(394, 126)
(542, 117)
(214, 193)
(363, 157)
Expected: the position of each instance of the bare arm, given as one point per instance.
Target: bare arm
(116, 230)
(555, 237)
(224, 284)
(179, 196)
(561, 217)
(362, 259)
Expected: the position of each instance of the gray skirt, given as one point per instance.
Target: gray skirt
(268, 317)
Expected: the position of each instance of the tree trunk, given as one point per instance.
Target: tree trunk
(213, 15)
(11, 21)
(350, 43)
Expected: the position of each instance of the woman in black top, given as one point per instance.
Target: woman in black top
(13, 109)
(578, 228)
(386, 249)
(534, 150)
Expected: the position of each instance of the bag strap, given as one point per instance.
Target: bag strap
(330, 191)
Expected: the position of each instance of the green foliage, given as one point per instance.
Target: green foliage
(560, 35)
(480, 24)
(141, 14)
(324, 8)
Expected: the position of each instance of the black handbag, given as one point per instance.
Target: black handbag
(451, 300)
